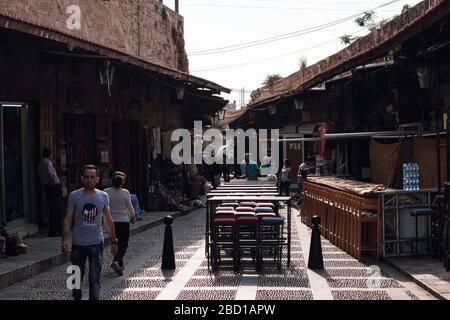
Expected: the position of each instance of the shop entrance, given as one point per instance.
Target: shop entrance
(80, 133)
(11, 162)
(125, 157)
(294, 151)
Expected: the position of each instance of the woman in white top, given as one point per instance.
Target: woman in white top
(123, 213)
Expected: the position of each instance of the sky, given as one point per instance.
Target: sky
(310, 34)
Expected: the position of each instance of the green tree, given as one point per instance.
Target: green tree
(348, 38)
(270, 79)
(367, 20)
(406, 7)
(303, 62)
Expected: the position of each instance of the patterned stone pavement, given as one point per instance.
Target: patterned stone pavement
(344, 278)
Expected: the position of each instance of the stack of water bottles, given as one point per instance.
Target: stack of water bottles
(411, 176)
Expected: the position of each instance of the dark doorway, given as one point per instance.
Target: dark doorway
(125, 158)
(81, 141)
(11, 186)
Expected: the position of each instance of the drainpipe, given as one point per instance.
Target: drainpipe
(139, 28)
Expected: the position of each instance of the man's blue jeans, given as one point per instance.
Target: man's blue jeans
(95, 255)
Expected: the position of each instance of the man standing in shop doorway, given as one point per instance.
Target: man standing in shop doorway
(52, 187)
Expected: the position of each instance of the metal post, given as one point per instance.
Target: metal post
(315, 260)
(168, 258)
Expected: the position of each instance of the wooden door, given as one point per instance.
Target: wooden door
(293, 150)
(81, 142)
(47, 131)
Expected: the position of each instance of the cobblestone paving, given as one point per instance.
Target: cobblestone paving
(344, 278)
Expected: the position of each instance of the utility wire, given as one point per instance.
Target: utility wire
(278, 37)
(268, 41)
(283, 36)
(308, 1)
(279, 56)
(271, 58)
(268, 7)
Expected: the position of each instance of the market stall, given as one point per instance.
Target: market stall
(366, 218)
(348, 210)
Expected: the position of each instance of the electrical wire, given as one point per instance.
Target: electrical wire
(244, 45)
(268, 41)
(274, 57)
(305, 1)
(268, 7)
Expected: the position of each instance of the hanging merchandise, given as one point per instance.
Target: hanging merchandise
(158, 141)
(153, 143)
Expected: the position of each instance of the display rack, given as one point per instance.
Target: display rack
(392, 201)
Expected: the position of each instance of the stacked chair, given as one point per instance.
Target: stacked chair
(223, 235)
(246, 229)
(247, 234)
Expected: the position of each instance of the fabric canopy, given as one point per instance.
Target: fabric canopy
(384, 162)
(424, 153)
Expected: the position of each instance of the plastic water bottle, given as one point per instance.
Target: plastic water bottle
(405, 175)
(417, 175)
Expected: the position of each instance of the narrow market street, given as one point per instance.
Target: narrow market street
(262, 150)
(343, 278)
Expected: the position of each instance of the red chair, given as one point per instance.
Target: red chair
(247, 240)
(223, 239)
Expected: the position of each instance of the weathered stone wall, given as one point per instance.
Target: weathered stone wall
(143, 28)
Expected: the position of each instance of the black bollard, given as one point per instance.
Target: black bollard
(168, 257)
(315, 260)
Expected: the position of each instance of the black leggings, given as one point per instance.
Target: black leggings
(123, 235)
(284, 187)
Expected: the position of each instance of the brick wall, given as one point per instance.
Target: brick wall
(144, 28)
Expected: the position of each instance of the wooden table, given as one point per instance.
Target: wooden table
(244, 192)
(255, 183)
(247, 188)
(348, 220)
(232, 195)
(214, 201)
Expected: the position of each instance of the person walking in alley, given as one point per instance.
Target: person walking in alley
(249, 168)
(122, 212)
(52, 187)
(86, 209)
(285, 178)
(302, 174)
